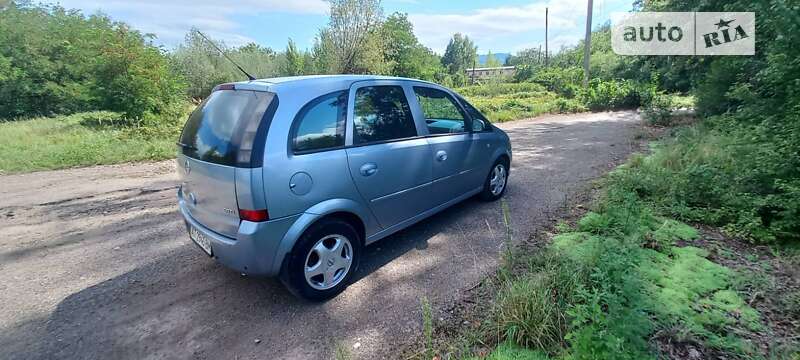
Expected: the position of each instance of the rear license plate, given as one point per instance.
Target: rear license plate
(200, 239)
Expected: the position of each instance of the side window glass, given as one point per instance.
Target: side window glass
(479, 122)
(382, 113)
(321, 123)
(442, 114)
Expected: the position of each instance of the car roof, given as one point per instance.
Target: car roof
(325, 81)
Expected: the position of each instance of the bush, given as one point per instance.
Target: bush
(511, 101)
(735, 177)
(494, 89)
(563, 81)
(658, 110)
(55, 61)
(612, 94)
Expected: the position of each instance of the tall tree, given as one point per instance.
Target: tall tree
(352, 34)
(309, 67)
(404, 53)
(323, 53)
(460, 54)
(491, 60)
(294, 60)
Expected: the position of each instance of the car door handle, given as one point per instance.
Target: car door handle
(368, 169)
(441, 155)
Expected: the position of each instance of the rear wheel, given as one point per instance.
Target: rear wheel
(323, 261)
(495, 185)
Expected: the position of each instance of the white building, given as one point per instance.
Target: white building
(490, 72)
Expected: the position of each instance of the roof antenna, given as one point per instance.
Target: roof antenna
(249, 77)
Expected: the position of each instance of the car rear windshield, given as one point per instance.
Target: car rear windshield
(225, 129)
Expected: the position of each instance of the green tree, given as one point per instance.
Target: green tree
(491, 60)
(204, 67)
(404, 53)
(323, 53)
(309, 66)
(294, 60)
(56, 61)
(351, 38)
(459, 55)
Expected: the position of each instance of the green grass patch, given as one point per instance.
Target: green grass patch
(511, 351)
(81, 139)
(622, 279)
(511, 101)
(683, 101)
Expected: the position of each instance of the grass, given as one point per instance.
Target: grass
(427, 327)
(510, 101)
(82, 139)
(619, 282)
(510, 351)
(683, 101)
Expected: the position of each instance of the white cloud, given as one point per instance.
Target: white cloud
(490, 24)
(170, 20)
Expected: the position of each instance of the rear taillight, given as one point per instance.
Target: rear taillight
(254, 215)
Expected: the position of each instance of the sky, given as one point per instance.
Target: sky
(497, 26)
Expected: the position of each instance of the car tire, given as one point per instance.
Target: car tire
(323, 261)
(496, 181)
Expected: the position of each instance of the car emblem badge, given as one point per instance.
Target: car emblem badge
(186, 167)
(330, 262)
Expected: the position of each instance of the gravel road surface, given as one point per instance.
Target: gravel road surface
(95, 262)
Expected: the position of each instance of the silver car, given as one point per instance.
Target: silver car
(292, 177)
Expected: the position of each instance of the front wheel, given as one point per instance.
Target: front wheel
(495, 185)
(323, 261)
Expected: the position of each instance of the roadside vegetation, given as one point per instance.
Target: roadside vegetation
(58, 67)
(689, 250)
(635, 277)
(82, 139)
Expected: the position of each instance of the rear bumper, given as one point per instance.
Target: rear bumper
(255, 247)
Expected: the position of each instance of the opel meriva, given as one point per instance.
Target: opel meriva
(292, 177)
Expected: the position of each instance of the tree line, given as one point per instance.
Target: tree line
(58, 61)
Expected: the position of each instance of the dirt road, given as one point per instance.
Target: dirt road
(95, 262)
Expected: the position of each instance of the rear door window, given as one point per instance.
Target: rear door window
(320, 124)
(442, 113)
(382, 114)
(222, 130)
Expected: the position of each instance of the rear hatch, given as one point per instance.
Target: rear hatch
(227, 131)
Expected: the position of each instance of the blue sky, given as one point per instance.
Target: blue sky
(499, 26)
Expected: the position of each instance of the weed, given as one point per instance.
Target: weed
(427, 327)
(508, 245)
(341, 352)
(792, 303)
(658, 110)
(511, 351)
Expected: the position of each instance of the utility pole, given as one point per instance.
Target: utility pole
(546, 21)
(587, 45)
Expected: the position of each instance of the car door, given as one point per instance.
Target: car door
(389, 159)
(451, 142)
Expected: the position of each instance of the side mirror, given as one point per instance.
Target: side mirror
(478, 125)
